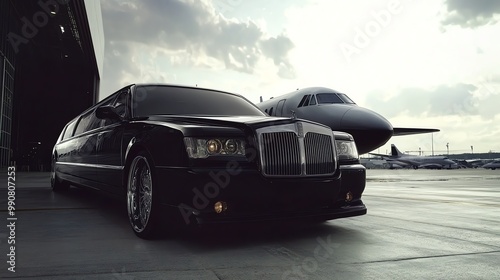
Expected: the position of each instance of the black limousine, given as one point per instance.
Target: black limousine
(189, 155)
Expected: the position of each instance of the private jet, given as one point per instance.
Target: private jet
(336, 110)
(430, 162)
(492, 165)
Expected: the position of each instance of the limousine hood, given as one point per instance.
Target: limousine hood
(231, 121)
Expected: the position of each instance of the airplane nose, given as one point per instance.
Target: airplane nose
(369, 129)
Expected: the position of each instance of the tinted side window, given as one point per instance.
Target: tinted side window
(121, 106)
(87, 122)
(69, 130)
(61, 135)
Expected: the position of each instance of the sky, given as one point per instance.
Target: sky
(427, 64)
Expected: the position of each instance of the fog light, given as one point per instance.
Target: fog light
(220, 206)
(348, 196)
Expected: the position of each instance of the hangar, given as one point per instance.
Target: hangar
(51, 61)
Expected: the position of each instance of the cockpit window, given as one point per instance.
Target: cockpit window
(325, 98)
(312, 101)
(328, 98)
(304, 100)
(345, 98)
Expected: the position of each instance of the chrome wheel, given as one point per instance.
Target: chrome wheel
(140, 195)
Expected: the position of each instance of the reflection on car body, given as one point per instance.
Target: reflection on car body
(198, 156)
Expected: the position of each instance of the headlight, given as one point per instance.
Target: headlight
(205, 147)
(213, 146)
(346, 150)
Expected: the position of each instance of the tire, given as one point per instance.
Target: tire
(141, 207)
(57, 184)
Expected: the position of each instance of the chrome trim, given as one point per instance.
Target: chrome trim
(129, 146)
(318, 153)
(283, 150)
(281, 153)
(355, 166)
(104, 166)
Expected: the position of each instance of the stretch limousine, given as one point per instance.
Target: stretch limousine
(188, 155)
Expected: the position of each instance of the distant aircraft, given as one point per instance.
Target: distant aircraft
(433, 162)
(492, 165)
(327, 106)
(475, 163)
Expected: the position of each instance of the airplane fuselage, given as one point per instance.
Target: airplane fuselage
(369, 129)
(422, 161)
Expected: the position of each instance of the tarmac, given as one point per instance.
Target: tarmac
(421, 224)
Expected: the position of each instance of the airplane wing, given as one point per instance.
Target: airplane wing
(400, 131)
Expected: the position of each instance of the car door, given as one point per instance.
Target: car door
(109, 143)
(82, 156)
(63, 155)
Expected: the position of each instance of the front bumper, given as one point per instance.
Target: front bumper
(190, 195)
(330, 213)
(353, 180)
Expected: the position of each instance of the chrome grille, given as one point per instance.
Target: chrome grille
(319, 154)
(297, 149)
(282, 153)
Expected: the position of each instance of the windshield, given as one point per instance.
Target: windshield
(328, 98)
(172, 100)
(346, 98)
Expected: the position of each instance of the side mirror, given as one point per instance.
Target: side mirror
(107, 112)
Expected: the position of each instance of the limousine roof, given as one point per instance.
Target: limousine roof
(180, 85)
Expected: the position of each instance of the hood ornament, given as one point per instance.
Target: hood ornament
(294, 116)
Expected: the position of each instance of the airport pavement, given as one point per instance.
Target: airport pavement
(421, 224)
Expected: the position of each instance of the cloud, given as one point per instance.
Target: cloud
(488, 97)
(195, 32)
(277, 48)
(466, 13)
(444, 100)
